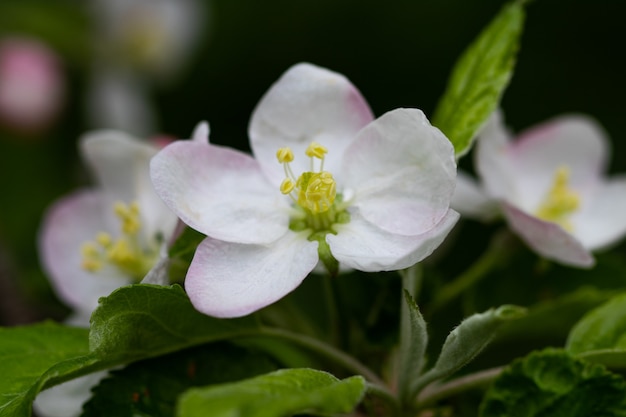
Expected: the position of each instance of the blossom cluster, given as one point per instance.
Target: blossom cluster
(327, 186)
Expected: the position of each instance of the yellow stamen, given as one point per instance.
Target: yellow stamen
(129, 215)
(560, 202)
(104, 239)
(313, 191)
(287, 186)
(316, 191)
(284, 155)
(315, 150)
(126, 252)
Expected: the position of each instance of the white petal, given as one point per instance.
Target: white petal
(575, 142)
(201, 132)
(306, 104)
(491, 160)
(67, 399)
(232, 280)
(68, 224)
(220, 192)
(602, 219)
(402, 171)
(121, 164)
(363, 246)
(471, 200)
(548, 239)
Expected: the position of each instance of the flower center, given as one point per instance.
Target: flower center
(560, 202)
(314, 193)
(126, 253)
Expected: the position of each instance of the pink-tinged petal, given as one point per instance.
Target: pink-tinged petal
(68, 224)
(471, 200)
(361, 245)
(201, 132)
(575, 142)
(220, 192)
(233, 280)
(491, 160)
(402, 172)
(306, 104)
(602, 218)
(121, 164)
(548, 239)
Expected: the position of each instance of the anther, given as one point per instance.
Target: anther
(284, 155)
(315, 150)
(287, 186)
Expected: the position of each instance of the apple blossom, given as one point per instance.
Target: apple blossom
(327, 182)
(549, 184)
(98, 239)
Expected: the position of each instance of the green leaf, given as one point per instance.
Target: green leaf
(551, 383)
(142, 321)
(35, 356)
(479, 79)
(468, 340)
(281, 393)
(600, 336)
(151, 387)
(134, 322)
(413, 342)
(556, 317)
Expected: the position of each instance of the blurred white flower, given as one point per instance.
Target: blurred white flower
(138, 45)
(98, 239)
(550, 186)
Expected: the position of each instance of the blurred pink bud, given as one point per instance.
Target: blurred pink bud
(31, 85)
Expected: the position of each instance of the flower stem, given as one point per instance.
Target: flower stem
(495, 255)
(434, 393)
(348, 362)
(384, 394)
(331, 309)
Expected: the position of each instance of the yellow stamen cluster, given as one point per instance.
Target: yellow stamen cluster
(560, 202)
(125, 253)
(313, 190)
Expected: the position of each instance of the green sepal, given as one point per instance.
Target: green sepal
(327, 258)
(413, 343)
(466, 341)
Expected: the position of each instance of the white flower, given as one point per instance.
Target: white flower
(98, 239)
(549, 183)
(325, 179)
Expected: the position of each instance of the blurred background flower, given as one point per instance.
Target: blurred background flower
(32, 86)
(149, 69)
